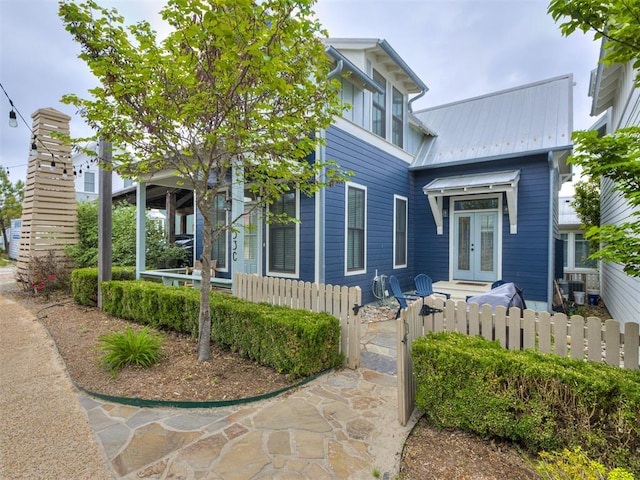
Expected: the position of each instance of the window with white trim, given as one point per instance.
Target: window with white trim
(283, 237)
(576, 251)
(356, 228)
(397, 117)
(400, 215)
(89, 182)
(219, 219)
(379, 107)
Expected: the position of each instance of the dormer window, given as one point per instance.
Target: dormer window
(379, 111)
(397, 118)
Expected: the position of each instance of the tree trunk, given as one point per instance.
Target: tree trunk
(3, 232)
(204, 322)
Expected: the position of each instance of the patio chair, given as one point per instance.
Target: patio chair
(400, 297)
(424, 287)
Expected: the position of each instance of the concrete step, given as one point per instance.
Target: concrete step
(460, 290)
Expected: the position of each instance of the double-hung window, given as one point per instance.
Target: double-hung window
(397, 118)
(283, 237)
(399, 231)
(219, 220)
(379, 110)
(356, 228)
(576, 251)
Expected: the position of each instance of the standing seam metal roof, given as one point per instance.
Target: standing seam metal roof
(532, 118)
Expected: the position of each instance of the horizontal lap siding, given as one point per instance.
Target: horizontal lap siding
(383, 175)
(307, 238)
(524, 255)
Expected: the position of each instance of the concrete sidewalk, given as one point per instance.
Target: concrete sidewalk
(340, 426)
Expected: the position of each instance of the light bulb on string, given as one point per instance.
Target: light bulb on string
(34, 147)
(13, 119)
(53, 163)
(64, 173)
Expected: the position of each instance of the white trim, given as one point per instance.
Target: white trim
(296, 273)
(406, 242)
(372, 139)
(348, 185)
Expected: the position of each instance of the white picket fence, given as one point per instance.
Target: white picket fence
(576, 337)
(333, 299)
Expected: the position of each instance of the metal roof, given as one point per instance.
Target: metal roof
(533, 118)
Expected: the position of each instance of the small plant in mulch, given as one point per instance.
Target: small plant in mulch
(572, 464)
(130, 348)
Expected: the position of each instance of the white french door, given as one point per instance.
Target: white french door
(475, 246)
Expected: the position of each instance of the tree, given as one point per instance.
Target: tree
(238, 85)
(123, 241)
(11, 196)
(617, 155)
(586, 202)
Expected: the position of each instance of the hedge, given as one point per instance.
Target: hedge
(542, 401)
(295, 342)
(84, 283)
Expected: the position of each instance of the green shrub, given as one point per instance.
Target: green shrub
(130, 348)
(84, 283)
(573, 464)
(544, 402)
(296, 342)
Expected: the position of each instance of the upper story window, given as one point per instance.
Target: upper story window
(379, 110)
(397, 118)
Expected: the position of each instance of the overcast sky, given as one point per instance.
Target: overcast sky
(460, 49)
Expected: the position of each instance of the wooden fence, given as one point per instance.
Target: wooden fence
(576, 337)
(333, 299)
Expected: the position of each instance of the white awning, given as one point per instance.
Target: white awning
(490, 182)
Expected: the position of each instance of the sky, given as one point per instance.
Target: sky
(459, 48)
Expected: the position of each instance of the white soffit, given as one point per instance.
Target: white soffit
(490, 182)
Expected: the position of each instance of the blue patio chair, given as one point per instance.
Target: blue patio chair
(397, 292)
(424, 287)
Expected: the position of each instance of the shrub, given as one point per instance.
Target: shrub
(296, 342)
(47, 274)
(130, 348)
(544, 402)
(572, 464)
(84, 283)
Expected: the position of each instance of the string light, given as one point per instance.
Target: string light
(13, 120)
(53, 162)
(64, 172)
(34, 147)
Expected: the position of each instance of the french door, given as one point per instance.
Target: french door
(475, 246)
(252, 243)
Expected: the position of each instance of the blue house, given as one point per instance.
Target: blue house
(466, 192)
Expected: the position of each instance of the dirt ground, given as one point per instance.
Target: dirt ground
(429, 453)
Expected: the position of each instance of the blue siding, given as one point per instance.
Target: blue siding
(307, 239)
(384, 176)
(524, 255)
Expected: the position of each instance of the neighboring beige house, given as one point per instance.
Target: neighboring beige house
(614, 95)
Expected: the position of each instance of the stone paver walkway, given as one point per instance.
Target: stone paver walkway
(342, 425)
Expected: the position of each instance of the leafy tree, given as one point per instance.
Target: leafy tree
(123, 241)
(235, 84)
(617, 155)
(586, 202)
(11, 196)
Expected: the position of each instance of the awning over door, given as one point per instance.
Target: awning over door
(490, 182)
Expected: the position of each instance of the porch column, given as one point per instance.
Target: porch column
(170, 208)
(141, 211)
(237, 233)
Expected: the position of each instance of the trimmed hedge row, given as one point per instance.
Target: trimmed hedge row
(541, 401)
(84, 283)
(295, 342)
